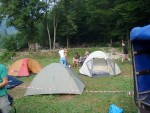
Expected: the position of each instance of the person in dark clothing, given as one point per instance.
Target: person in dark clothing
(125, 53)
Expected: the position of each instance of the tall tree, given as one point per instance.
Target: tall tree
(67, 27)
(23, 15)
(47, 25)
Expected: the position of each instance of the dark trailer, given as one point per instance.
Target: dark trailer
(140, 45)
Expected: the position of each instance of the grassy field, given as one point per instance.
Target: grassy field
(87, 102)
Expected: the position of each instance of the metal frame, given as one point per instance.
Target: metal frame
(143, 105)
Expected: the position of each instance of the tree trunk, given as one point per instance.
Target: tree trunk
(54, 33)
(54, 23)
(128, 40)
(49, 36)
(55, 20)
(111, 42)
(67, 41)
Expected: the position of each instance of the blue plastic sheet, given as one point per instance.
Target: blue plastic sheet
(140, 33)
(115, 109)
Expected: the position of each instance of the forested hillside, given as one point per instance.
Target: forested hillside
(74, 22)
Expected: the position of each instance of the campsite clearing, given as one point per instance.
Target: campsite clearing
(90, 101)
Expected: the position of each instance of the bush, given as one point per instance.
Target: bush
(15, 42)
(7, 55)
(9, 43)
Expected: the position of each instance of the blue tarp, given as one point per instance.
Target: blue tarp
(12, 82)
(140, 33)
(140, 38)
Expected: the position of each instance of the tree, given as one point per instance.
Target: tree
(67, 27)
(54, 12)
(47, 25)
(23, 15)
(75, 21)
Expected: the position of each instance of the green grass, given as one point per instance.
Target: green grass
(87, 102)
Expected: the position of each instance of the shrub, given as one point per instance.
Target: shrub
(9, 43)
(15, 42)
(7, 55)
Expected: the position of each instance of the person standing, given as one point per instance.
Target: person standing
(66, 55)
(62, 56)
(4, 103)
(125, 53)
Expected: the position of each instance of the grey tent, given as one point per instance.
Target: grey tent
(55, 78)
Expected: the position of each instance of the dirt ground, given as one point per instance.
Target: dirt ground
(114, 53)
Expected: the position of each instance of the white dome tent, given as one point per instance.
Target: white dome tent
(98, 63)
